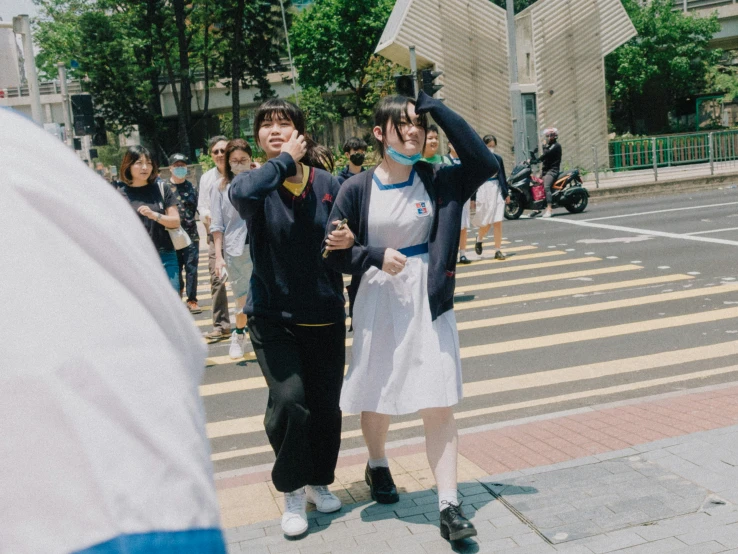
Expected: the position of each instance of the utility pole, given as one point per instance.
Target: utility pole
(516, 99)
(22, 26)
(414, 70)
(289, 53)
(69, 130)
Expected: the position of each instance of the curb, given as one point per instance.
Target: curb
(662, 187)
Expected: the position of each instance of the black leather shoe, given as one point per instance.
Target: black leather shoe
(464, 260)
(381, 485)
(500, 256)
(454, 525)
(478, 248)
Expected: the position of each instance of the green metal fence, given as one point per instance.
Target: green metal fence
(673, 150)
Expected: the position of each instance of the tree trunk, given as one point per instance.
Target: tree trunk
(206, 66)
(237, 69)
(148, 124)
(185, 89)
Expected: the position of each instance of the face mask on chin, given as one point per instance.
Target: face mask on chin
(239, 168)
(179, 172)
(357, 159)
(402, 158)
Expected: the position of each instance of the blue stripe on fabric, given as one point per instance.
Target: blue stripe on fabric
(415, 250)
(396, 185)
(202, 541)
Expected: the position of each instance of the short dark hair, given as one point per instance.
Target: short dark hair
(490, 138)
(432, 128)
(132, 155)
(354, 143)
(231, 147)
(391, 109)
(215, 140)
(317, 155)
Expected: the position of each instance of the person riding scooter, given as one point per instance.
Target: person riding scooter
(551, 159)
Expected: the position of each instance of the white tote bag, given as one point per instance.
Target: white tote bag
(180, 239)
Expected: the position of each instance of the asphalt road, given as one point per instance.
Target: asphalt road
(630, 298)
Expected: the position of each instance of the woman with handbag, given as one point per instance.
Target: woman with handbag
(230, 236)
(156, 205)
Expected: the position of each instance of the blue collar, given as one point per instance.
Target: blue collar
(407, 183)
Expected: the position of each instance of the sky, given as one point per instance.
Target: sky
(10, 8)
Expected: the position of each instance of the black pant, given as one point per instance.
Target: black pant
(221, 318)
(303, 367)
(188, 259)
(548, 180)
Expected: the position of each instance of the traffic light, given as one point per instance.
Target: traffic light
(427, 76)
(84, 116)
(99, 137)
(405, 86)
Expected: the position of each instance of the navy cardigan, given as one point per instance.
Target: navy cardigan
(449, 187)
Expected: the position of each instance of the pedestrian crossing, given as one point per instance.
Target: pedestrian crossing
(546, 329)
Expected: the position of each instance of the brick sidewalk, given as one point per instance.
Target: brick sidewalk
(509, 452)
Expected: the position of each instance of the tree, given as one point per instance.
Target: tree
(334, 43)
(668, 60)
(248, 47)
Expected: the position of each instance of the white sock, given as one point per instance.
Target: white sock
(462, 253)
(379, 462)
(446, 498)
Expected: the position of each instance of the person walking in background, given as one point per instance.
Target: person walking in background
(295, 306)
(157, 212)
(430, 153)
(406, 217)
(551, 160)
(189, 257)
(355, 148)
(491, 199)
(209, 180)
(230, 237)
(453, 159)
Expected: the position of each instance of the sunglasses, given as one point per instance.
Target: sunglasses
(219, 151)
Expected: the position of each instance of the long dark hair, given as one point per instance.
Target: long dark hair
(131, 156)
(393, 109)
(317, 155)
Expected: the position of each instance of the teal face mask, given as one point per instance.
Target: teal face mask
(402, 158)
(179, 172)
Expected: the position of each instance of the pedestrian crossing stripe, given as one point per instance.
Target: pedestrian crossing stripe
(220, 360)
(525, 267)
(241, 385)
(546, 401)
(554, 293)
(544, 278)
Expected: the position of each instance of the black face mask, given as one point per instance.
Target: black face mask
(357, 159)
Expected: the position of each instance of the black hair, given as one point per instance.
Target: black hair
(433, 128)
(489, 138)
(392, 109)
(132, 155)
(317, 155)
(215, 140)
(354, 143)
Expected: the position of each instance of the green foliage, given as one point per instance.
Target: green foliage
(520, 5)
(319, 109)
(206, 162)
(723, 78)
(110, 155)
(334, 41)
(670, 54)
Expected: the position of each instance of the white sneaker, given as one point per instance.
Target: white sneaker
(325, 501)
(235, 352)
(294, 518)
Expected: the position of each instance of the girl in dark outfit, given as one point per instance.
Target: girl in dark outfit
(406, 215)
(295, 307)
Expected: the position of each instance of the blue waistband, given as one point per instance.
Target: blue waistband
(415, 250)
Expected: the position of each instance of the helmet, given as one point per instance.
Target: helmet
(551, 131)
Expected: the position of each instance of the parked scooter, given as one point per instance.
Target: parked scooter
(527, 191)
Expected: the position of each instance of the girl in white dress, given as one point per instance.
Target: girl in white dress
(491, 199)
(406, 216)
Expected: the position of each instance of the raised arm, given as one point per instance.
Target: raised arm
(250, 188)
(357, 259)
(477, 163)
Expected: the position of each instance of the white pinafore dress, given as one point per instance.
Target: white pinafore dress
(401, 360)
(490, 204)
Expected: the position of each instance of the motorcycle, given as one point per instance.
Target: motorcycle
(527, 192)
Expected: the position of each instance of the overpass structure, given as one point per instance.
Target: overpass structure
(727, 12)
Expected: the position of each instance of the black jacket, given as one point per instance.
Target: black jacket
(449, 187)
(551, 158)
